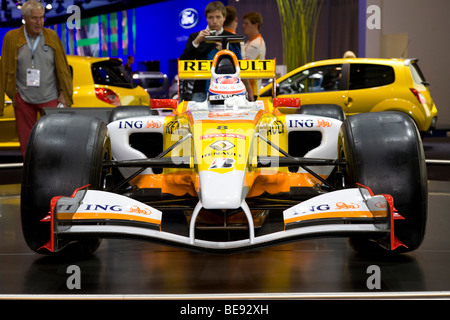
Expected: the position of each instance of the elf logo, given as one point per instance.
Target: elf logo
(222, 163)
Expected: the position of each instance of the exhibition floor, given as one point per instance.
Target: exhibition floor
(322, 268)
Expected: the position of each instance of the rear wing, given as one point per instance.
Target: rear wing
(250, 69)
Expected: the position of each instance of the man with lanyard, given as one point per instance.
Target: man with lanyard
(34, 71)
(198, 49)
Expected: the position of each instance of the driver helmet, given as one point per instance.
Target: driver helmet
(225, 78)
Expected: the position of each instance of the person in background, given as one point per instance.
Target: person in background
(349, 55)
(231, 23)
(127, 66)
(197, 49)
(255, 48)
(231, 20)
(34, 72)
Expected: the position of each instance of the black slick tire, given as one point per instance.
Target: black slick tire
(384, 152)
(64, 152)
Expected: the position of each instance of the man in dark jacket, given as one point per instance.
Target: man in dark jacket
(198, 49)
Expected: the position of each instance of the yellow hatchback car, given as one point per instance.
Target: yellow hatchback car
(97, 82)
(362, 85)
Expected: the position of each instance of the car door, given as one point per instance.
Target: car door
(369, 84)
(317, 85)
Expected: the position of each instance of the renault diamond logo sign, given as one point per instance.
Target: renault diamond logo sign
(221, 145)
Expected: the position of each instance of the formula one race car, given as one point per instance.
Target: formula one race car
(223, 175)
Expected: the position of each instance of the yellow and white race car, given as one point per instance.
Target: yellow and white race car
(223, 175)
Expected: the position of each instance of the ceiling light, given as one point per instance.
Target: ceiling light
(49, 5)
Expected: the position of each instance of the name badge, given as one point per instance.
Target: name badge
(33, 77)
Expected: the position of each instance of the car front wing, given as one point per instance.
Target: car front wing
(100, 214)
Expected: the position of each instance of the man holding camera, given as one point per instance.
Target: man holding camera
(198, 49)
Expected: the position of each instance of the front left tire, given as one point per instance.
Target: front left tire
(64, 152)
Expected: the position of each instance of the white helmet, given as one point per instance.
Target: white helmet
(225, 78)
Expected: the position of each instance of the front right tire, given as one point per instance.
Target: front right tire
(384, 152)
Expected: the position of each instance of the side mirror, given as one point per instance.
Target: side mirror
(286, 102)
(163, 103)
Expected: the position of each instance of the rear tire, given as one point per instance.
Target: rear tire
(325, 110)
(384, 152)
(64, 152)
(123, 112)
